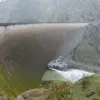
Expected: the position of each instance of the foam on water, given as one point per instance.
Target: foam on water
(73, 75)
(69, 74)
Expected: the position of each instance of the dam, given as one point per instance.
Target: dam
(25, 50)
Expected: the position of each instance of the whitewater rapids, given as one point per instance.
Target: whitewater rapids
(68, 73)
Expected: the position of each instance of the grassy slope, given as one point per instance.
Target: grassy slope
(86, 89)
(5, 87)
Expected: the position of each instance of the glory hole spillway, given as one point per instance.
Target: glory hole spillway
(25, 50)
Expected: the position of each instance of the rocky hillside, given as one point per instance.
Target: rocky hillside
(61, 11)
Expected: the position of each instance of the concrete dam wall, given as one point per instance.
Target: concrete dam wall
(25, 50)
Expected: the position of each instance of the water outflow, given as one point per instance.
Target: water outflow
(84, 59)
(72, 71)
(25, 50)
(65, 64)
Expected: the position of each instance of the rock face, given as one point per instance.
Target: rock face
(88, 50)
(36, 94)
(3, 98)
(40, 11)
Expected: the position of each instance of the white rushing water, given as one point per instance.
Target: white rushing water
(73, 75)
(69, 74)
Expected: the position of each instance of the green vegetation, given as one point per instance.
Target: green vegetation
(5, 88)
(86, 89)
